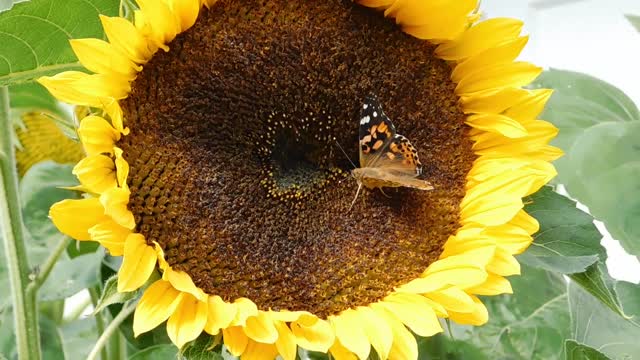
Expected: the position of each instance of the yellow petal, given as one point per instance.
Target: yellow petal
(313, 334)
(102, 87)
(498, 124)
(412, 311)
(138, 263)
(97, 173)
(449, 24)
(114, 111)
(493, 101)
(61, 86)
(290, 316)
(220, 315)
(235, 340)
(404, 343)
(349, 332)
(478, 316)
(126, 38)
(453, 299)
(495, 285)
(187, 12)
(259, 351)
(339, 352)
(160, 19)
(244, 309)
(187, 321)
(115, 202)
(101, 57)
(162, 263)
(76, 217)
(122, 167)
(286, 342)
(504, 264)
(529, 108)
(540, 133)
(181, 281)
(156, 305)
(97, 135)
(110, 235)
(377, 331)
(482, 36)
(261, 328)
(498, 76)
(504, 53)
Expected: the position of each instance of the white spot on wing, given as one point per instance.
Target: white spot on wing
(365, 106)
(375, 114)
(365, 120)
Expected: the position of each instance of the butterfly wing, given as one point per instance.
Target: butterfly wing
(381, 146)
(376, 132)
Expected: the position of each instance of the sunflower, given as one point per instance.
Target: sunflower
(40, 139)
(211, 156)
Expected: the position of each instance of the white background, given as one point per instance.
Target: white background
(590, 36)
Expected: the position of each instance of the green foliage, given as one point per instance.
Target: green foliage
(78, 338)
(110, 295)
(599, 127)
(567, 242)
(577, 351)
(599, 327)
(163, 351)
(35, 36)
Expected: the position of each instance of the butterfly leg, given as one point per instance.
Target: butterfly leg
(356, 197)
(383, 193)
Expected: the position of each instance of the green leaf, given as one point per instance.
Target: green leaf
(78, 338)
(599, 127)
(204, 347)
(35, 36)
(304, 354)
(577, 351)
(443, 347)
(163, 351)
(69, 276)
(110, 295)
(634, 20)
(598, 283)
(50, 340)
(567, 242)
(39, 189)
(530, 324)
(597, 326)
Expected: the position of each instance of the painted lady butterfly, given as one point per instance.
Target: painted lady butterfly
(387, 159)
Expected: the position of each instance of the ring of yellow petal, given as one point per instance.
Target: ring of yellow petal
(513, 162)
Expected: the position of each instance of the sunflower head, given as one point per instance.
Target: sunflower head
(219, 163)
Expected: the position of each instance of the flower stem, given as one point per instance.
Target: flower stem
(112, 329)
(95, 297)
(24, 305)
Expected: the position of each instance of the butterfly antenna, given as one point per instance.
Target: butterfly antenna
(345, 154)
(356, 197)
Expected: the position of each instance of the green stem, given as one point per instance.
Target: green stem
(48, 265)
(24, 306)
(95, 297)
(112, 329)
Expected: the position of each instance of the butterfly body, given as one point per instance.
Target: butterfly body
(387, 159)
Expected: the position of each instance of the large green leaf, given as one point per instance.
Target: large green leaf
(69, 276)
(78, 338)
(444, 347)
(597, 326)
(577, 351)
(163, 351)
(39, 189)
(35, 36)
(530, 324)
(599, 127)
(568, 241)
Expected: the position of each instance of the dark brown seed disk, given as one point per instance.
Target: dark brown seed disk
(235, 170)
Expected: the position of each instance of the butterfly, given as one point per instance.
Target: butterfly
(387, 159)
